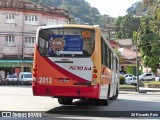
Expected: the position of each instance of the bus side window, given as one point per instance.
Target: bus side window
(107, 55)
(112, 61)
(108, 61)
(103, 51)
(109, 58)
(116, 64)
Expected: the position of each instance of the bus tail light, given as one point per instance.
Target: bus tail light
(35, 71)
(34, 74)
(94, 76)
(95, 71)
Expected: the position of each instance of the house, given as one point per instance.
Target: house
(19, 22)
(125, 43)
(128, 63)
(128, 55)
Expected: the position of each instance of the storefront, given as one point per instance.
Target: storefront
(14, 67)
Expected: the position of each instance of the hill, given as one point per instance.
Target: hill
(79, 9)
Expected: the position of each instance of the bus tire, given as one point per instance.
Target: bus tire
(104, 102)
(101, 102)
(65, 101)
(107, 101)
(116, 95)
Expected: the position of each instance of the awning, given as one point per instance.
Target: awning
(15, 63)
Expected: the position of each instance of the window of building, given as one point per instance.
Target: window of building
(52, 21)
(10, 18)
(10, 41)
(30, 41)
(31, 19)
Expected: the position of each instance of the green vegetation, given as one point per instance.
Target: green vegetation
(127, 87)
(122, 80)
(141, 23)
(151, 82)
(79, 9)
(131, 70)
(148, 35)
(136, 8)
(126, 25)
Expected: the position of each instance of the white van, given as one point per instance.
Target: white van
(25, 78)
(147, 77)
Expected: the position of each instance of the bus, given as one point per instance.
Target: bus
(74, 62)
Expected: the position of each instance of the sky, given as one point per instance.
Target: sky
(113, 8)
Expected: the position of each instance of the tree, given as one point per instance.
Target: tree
(135, 9)
(77, 8)
(126, 25)
(148, 35)
(147, 39)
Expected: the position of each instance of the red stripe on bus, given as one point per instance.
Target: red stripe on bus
(63, 71)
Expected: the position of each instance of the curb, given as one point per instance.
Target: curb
(132, 90)
(140, 90)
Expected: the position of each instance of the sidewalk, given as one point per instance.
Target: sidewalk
(149, 89)
(142, 90)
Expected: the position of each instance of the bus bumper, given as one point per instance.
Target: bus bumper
(66, 91)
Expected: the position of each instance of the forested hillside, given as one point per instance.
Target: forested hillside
(79, 9)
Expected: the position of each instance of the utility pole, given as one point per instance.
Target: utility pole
(109, 34)
(110, 29)
(137, 62)
(137, 69)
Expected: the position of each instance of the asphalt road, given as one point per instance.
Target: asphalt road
(20, 99)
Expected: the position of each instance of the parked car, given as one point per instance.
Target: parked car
(147, 76)
(11, 79)
(25, 78)
(128, 75)
(131, 81)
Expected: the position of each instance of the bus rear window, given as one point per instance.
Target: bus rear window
(66, 42)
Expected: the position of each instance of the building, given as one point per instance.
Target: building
(19, 22)
(127, 55)
(128, 62)
(125, 43)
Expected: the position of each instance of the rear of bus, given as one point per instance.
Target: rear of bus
(63, 63)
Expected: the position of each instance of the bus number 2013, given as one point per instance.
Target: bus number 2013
(45, 80)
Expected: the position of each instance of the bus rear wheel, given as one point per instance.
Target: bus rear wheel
(116, 95)
(65, 101)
